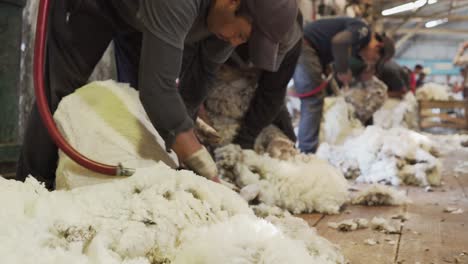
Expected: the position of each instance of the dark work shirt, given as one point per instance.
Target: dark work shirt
(173, 30)
(336, 39)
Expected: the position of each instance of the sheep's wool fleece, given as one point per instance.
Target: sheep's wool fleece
(398, 113)
(338, 121)
(106, 122)
(378, 195)
(295, 185)
(229, 100)
(366, 98)
(226, 106)
(158, 215)
(435, 91)
(446, 144)
(392, 156)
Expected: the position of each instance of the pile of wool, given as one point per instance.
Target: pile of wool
(392, 156)
(435, 91)
(446, 144)
(106, 122)
(293, 227)
(398, 113)
(366, 98)
(295, 185)
(338, 121)
(159, 215)
(378, 195)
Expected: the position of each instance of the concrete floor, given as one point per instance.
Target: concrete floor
(430, 235)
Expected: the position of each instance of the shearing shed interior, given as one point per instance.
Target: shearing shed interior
(234, 131)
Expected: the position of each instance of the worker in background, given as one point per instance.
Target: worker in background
(421, 80)
(343, 41)
(418, 69)
(395, 77)
(462, 61)
(179, 39)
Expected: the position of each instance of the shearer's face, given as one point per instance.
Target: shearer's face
(226, 24)
(371, 53)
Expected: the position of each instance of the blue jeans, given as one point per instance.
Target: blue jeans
(307, 76)
(309, 124)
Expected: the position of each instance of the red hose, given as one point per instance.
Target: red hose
(43, 107)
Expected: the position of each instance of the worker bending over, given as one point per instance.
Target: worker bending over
(185, 39)
(344, 41)
(268, 104)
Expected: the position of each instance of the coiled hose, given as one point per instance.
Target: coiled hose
(43, 106)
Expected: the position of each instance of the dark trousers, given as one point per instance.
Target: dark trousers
(268, 104)
(79, 33)
(127, 49)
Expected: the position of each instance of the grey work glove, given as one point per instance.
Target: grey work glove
(207, 132)
(203, 164)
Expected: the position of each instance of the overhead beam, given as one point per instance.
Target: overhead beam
(409, 35)
(429, 16)
(406, 19)
(451, 18)
(434, 31)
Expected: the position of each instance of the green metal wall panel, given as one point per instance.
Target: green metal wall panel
(10, 42)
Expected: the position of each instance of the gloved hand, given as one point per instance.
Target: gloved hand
(206, 132)
(203, 164)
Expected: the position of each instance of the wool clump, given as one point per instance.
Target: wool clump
(395, 156)
(297, 186)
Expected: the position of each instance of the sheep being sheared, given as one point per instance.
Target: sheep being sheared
(295, 185)
(226, 106)
(159, 215)
(366, 98)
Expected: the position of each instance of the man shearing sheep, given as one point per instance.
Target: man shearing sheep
(185, 39)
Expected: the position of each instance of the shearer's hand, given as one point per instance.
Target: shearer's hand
(202, 164)
(207, 132)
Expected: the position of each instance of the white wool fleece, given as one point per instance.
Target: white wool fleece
(297, 186)
(156, 216)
